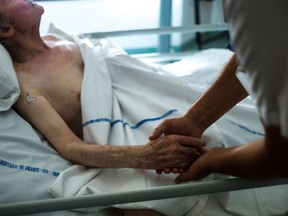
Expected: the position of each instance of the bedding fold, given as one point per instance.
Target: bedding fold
(122, 101)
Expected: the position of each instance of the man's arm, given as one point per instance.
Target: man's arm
(37, 110)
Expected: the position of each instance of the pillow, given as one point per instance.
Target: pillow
(55, 30)
(9, 87)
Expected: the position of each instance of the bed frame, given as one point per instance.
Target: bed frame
(190, 189)
(195, 188)
(163, 55)
(163, 30)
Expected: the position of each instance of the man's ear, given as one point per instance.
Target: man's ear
(6, 31)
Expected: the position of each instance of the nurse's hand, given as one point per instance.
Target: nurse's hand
(182, 126)
(201, 167)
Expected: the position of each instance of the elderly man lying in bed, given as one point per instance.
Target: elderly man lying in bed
(50, 73)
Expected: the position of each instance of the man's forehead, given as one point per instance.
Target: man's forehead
(3, 2)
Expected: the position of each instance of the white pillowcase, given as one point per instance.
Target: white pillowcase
(9, 87)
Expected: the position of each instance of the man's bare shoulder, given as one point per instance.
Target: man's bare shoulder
(56, 41)
(53, 37)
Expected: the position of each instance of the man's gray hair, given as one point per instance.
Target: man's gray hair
(4, 20)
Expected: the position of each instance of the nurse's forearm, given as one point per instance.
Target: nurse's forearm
(226, 92)
(243, 161)
(253, 160)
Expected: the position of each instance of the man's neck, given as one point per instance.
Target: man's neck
(25, 49)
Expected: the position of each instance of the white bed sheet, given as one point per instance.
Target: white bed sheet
(29, 165)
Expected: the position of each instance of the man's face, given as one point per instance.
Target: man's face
(23, 14)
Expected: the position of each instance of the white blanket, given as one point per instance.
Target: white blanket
(123, 100)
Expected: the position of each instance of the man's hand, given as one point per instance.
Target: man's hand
(182, 126)
(169, 151)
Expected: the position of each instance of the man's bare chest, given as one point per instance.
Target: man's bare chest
(58, 77)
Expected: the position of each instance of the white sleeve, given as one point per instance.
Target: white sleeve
(259, 34)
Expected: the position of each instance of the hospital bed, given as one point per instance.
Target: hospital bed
(29, 165)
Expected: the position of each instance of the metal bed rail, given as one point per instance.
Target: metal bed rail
(162, 30)
(189, 189)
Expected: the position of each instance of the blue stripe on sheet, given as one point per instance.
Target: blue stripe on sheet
(7, 164)
(245, 128)
(137, 125)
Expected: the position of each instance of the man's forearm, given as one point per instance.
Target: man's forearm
(103, 156)
(219, 98)
(158, 154)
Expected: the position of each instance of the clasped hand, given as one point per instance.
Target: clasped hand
(175, 151)
(182, 126)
